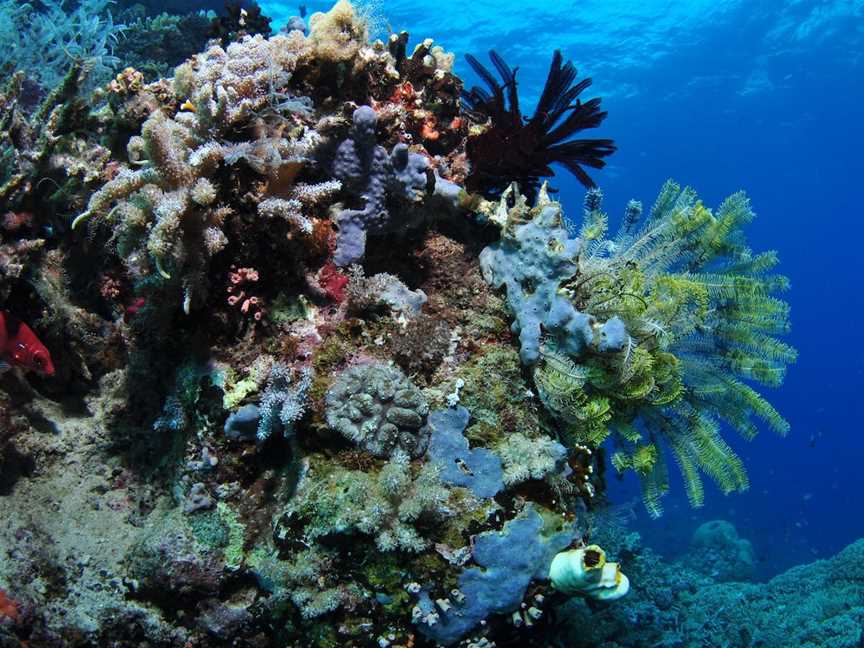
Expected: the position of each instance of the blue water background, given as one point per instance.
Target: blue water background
(764, 96)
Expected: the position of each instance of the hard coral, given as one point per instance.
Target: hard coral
(380, 410)
(386, 504)
(422, 345)
(512, 149)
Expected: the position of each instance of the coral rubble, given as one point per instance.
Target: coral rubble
(289, 406)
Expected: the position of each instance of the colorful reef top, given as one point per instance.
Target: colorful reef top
(360, 377)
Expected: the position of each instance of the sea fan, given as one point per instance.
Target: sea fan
(513, 148)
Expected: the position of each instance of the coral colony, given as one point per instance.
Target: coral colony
(352, 375)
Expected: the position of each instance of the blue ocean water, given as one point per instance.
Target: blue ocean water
(763, 96)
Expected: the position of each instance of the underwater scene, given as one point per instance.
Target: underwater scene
(393, 324)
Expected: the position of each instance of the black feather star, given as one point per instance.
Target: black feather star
(516, 149)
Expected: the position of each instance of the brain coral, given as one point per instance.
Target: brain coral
(380, 409)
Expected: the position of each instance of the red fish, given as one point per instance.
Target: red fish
(8, 607)
(19, 347)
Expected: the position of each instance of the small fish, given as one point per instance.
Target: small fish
(8, 607)
(19, 347)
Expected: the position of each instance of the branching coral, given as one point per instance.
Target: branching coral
(512, 148)
(170, 207)
(524, 458)
(673, 317)
(284, 400)
(313, 583)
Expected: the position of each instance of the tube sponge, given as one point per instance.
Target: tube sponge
(585, 571)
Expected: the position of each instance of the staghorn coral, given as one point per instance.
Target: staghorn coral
(651, 333)
(380, 410)
(515, 149)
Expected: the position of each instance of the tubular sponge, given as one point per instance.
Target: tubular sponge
(586, 572)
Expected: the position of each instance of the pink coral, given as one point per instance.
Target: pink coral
(240, 282)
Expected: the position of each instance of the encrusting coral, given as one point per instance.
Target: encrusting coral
(334, 397)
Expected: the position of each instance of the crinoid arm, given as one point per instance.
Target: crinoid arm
(678, 322)
(513, 148)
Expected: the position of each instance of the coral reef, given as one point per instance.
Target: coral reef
(817, 604)
(657, 327)
(282, 403)
(289, 407)
(385, 506)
